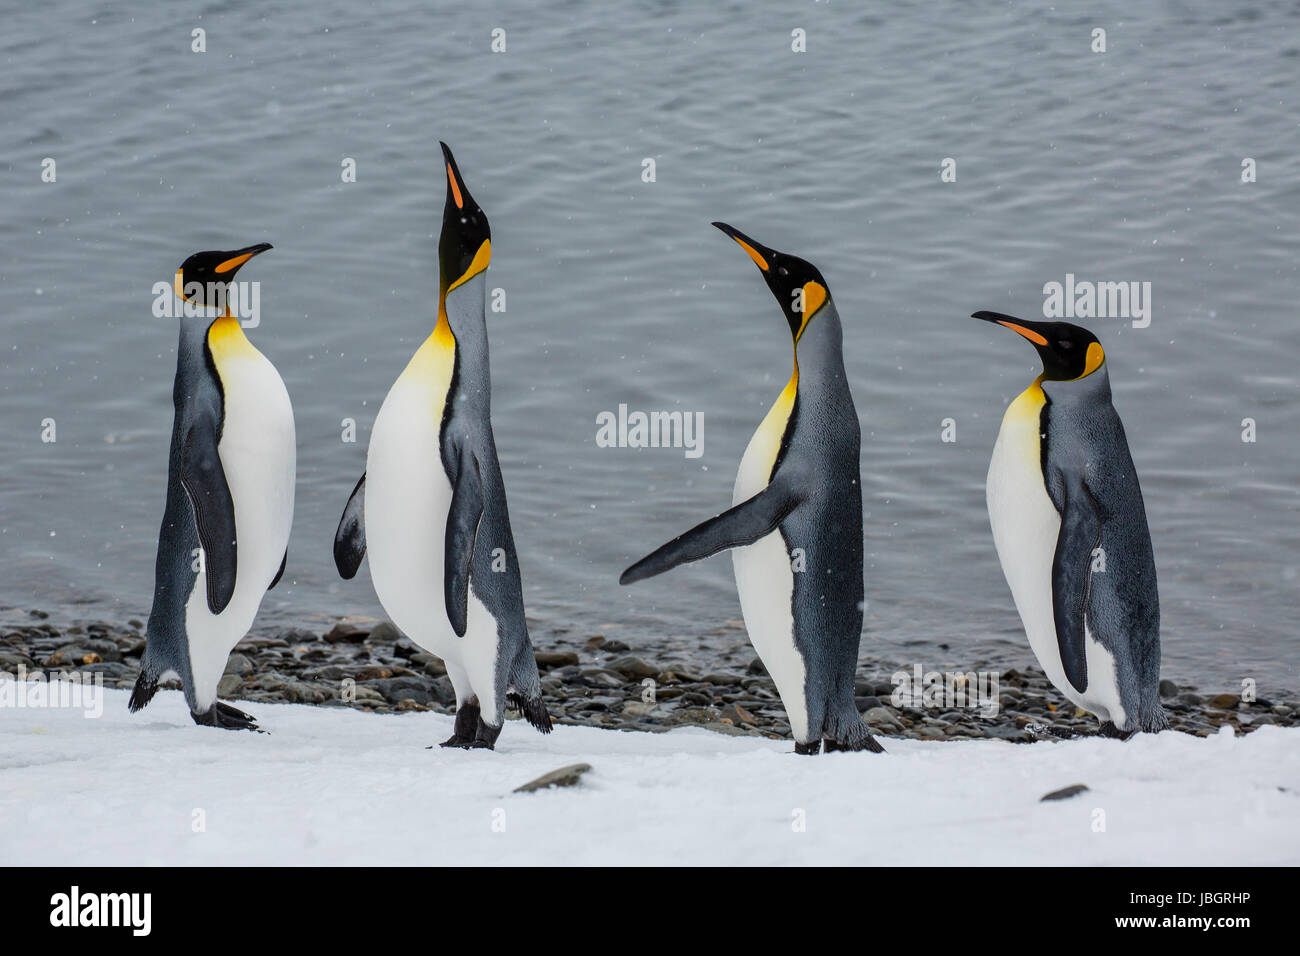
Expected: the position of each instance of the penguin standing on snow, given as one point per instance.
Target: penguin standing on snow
(225, 528)
(431, 507)
(796, 521)
(1071, 532)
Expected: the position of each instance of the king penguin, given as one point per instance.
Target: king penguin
(431, 507)
(225, 529)
(796, 521)
(1071, 532)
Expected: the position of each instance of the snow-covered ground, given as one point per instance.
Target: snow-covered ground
(333, 786)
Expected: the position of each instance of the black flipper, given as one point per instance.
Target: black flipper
(350, 538)
(204, 481)
(1072, 574)
(742, 525)
(279, 574)
(462, 527)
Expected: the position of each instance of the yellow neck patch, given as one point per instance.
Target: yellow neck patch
(227, 341)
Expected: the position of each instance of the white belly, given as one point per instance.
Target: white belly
(765, 582)
(258, 454)
(407, 499)
(1026, 526)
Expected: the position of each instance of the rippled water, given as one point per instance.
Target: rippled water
(1116, 166)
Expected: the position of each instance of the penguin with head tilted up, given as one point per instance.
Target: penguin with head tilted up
(225, 528)
(430, 509)
(1071, 532)
(796, 522)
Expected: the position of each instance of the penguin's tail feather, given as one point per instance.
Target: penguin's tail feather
(850, 733)
(146, 686)
(533, 709)
(524, 690)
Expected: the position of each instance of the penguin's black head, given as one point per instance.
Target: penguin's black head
(465, 246)
(798, 286)
(1068, 351)
(203, 278)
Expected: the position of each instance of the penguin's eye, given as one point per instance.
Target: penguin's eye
(1065, 344)
(782, 270)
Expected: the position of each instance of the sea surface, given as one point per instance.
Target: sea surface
(1117, 166)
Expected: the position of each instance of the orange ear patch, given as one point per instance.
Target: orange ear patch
(1092, 361)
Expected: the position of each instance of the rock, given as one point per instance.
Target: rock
(330, 672)
(679, 672)
(882, 717)
(1065, 793)
(374, 672)
(435, 667)
(564, 777)
(549, 659)
(1002, 732)
(1225, 701)
(696, 715)
(639, 708)
(385, 632)
(599, 677)
(408, 650)
(112, 670)
(229, 685)
(722, 679)
(634, 668)
(347, 633)
(363, 693)
(443, 691)
(89, 651)
(756, 668)
(239, 665)
(738, 715)
(593, 643)
(299, 692)
(615, 647)
(398, 689)
(1168, 689)
(10, 663)
(719, 727)
(410, 704)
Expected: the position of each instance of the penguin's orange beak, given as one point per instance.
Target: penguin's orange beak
(761, 255)
(1018, 326)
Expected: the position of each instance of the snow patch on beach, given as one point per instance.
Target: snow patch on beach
(335, 786)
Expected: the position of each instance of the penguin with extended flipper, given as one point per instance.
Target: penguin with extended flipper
(430, 509)
(1071, 532)
(796, 523)
(225, 527)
